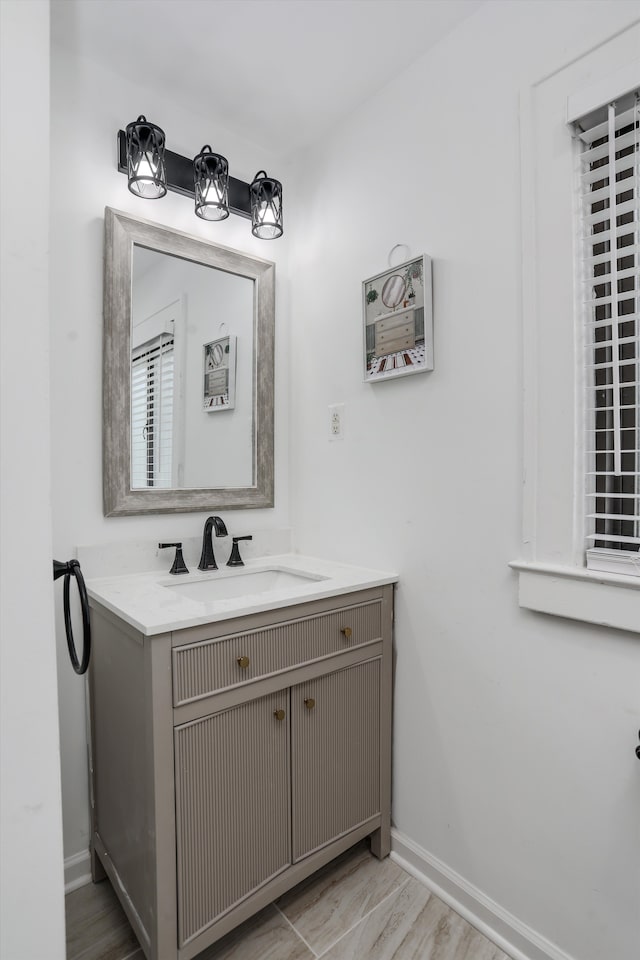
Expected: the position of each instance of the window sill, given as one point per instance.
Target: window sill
(606, 599)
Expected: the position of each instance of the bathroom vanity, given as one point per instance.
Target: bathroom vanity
(238, 744)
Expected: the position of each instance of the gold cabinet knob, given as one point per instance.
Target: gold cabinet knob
(279, 714)
(309, 703)
(243, 662)
(346, 632)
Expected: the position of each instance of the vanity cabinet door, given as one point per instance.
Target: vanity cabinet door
(335, 751)
(232, 808)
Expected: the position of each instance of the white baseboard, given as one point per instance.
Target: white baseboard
(77, 871)
(510, 934)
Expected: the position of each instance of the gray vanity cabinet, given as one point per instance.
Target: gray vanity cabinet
(232, 808)
(335, 772)
(231, 760)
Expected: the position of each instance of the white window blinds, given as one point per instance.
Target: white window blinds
(610, 260)
(152, 387)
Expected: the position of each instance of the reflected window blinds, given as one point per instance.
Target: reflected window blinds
(152, 388)
(609, 249)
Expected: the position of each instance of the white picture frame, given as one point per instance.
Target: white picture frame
(397, 309)
(219, 375)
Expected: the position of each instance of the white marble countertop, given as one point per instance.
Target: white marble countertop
(151, 602)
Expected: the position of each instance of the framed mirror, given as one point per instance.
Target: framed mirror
(188, 369)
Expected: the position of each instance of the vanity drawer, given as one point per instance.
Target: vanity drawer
(201, 669)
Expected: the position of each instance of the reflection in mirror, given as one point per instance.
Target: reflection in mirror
(191, 374)
(188, 372)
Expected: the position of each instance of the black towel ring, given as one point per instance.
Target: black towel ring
(68, 570)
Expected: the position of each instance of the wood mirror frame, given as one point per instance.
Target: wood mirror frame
(122, 231)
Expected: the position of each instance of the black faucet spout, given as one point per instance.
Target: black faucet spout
(207, 558)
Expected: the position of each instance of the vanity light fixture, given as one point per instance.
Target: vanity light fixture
(211, 183)
(266, 207)
(152, 170)
(145, 159)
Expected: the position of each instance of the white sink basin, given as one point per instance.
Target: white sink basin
(245, 583)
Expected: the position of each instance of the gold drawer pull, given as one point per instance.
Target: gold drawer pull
(346, 632)
(279, 714)
(309, 703)
(243, 662)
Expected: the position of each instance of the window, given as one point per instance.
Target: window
(579, 332)
(609, 261)
(152, 388)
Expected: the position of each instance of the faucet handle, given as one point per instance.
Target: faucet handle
(179, 566)
(235, 560)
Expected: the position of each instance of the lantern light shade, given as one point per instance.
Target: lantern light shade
(152, 170)
(145, 159)
(266, 207)
(211, 184)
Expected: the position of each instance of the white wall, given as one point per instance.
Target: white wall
(88, 106)
(514, 732)
(31, 830)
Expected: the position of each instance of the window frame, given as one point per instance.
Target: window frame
(552, 576)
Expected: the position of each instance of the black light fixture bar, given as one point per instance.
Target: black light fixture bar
(180, 178)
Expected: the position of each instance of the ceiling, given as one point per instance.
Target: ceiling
(281, 72)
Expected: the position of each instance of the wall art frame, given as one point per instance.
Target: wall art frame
(397, 309)
(219, 377)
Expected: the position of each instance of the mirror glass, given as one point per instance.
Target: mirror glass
(191, 374)
(188, 372)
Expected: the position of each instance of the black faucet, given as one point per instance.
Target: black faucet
(207, 559)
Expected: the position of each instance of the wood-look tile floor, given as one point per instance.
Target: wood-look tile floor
(356, 908)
